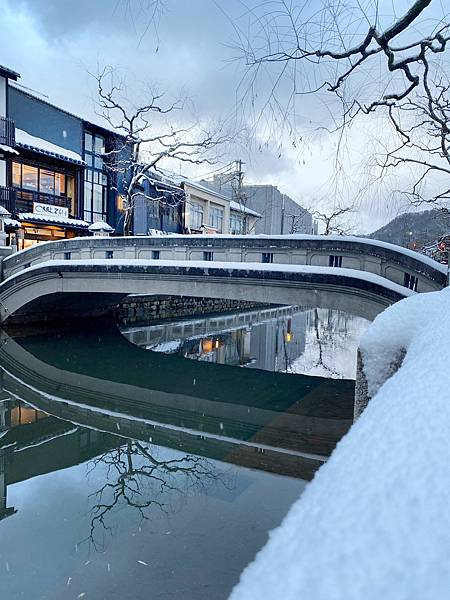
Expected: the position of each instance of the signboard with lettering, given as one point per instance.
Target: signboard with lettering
(49, 210)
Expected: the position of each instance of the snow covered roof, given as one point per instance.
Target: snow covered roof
(9, 73)
(4, 148)
(4, 212)
(185, 181)
(53, 219)
(241, 208)
(26, 140)
(100, 226)
(12, 223)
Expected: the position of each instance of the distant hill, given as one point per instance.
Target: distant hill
(425, 227)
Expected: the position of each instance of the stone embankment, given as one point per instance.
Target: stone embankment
(141, 309)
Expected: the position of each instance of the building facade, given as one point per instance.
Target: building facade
(55, 175)
(159, 208)
(279, 214)
(208, 211)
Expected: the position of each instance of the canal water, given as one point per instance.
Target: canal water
(152, 461)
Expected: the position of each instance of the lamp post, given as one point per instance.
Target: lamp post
(100, 229)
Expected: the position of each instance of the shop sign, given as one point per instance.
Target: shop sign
(49, 210)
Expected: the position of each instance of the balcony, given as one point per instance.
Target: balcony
(7, 132)
(8, 198)
(25, 200)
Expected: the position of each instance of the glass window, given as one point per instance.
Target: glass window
(196, 216)
(29, 177)
(87, 196)
(236, 224)
(98, 162)
(99, 144)
(216, 218)
(60, 184)
(97, 198)
(88, 142)
(47, 181)
(335, 261)
(17, 174)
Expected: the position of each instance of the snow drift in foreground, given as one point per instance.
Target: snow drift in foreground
(375, 521)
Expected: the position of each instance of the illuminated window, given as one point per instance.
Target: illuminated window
(29, 177)
(60, 184)
(47, 181)
(44, 181)
(17, 174)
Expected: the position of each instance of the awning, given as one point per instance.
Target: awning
(51, 220)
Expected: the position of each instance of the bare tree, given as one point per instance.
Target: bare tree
(334, 221)
(136, 478)
(148, 141)
(348, 48)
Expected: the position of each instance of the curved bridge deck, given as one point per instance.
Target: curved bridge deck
(64, 289)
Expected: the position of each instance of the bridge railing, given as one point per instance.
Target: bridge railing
(396, 264)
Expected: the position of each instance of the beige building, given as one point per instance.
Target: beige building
(207, 211)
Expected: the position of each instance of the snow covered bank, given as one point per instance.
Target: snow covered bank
(375, 521)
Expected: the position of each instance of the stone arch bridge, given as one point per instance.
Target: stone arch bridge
(89, 276)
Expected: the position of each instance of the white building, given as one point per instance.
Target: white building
(208, 211)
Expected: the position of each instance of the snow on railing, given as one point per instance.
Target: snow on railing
(374, 523)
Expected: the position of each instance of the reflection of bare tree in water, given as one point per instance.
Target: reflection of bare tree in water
(330, 333)
(135, 478)
(323, 337)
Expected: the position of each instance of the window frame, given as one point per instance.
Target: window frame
(267, 258)
(335, 260)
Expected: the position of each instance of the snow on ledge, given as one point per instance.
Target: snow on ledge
(375, 521)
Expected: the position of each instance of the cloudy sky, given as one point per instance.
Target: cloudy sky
(189, 48)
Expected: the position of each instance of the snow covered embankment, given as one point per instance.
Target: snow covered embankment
(375, 521)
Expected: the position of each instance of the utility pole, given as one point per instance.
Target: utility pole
(239, 191)
(283, 210)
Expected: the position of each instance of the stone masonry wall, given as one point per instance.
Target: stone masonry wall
(140, 309)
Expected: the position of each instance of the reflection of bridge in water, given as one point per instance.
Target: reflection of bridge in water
(268, 338)
(277, 422)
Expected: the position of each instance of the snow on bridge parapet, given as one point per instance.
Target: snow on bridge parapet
(397, 264)
(374, 523)
(60, 288)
